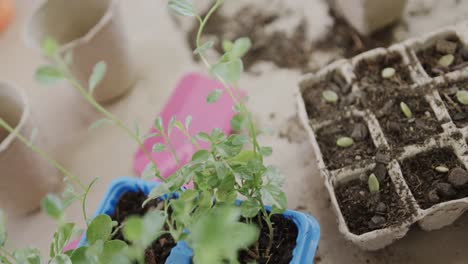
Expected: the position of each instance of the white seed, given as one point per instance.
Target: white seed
(446, 60)
(441, 169)
(330, 96)
(406, 110)
(462, 97)
(345, 142)
(388, 72)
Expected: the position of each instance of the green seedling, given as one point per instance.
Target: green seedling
(462, 97)
(330, 96)
(373, 183)
(345, 142)
(388, 73)
(406, 110)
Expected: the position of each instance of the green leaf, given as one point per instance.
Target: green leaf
(48, 74)
(99, 229)
(3, 232)
(78, 256)
(204, 137)
(201, 155)
(274, 176)
(344, 142)
(228, 71)
(330, 96)
(158, 147)
(206, 46)
(27, 256)
(406, 110)
(238, 122)
(243, 157)
(63, 236)
(373, 182)
(133, 228)
(50, 47)
(227, 45)
(181, 7)
(273, 195)
(111, 249)
(188, 195)
(61, 259)
(213, 96)
(97, 75)
(33, 136)
(239, 140)
(250, 208)
(52, 206)
(151, 135)
(462, 97)
(266, 151)
(188, 120)
(149, 172)
(241, 47)
(100, 122)
(171, 125)
(158, 124)
(157, 192)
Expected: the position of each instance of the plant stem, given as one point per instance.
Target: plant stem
(171, 148)
(44, 155)
(90, 99)
(83, 201)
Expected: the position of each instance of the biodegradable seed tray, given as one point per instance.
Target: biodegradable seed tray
(406, 149)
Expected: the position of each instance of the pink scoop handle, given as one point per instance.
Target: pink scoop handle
(189, 98)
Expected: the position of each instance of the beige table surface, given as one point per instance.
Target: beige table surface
(163, 57)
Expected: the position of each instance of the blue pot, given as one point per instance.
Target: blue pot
(308, 227)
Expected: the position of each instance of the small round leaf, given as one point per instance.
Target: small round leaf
(345, 142)
(446, 61)
(99, 229)
(388, 73)
(330, 96)
(462, 97)
(406, 110)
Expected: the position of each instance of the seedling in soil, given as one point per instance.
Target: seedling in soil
(462, 97)
(446, 60)
(330, 96)
(442, 169)
(373, 182)
(406, 110)
(388, 73)
(345, 142)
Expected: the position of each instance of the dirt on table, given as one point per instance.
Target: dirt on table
(435, 176)
(458, 112)
(429, 57)
(336, 157)
(284, 51)
(130, 204)
(317, 107)
(369, 73)
(364, 211)
(284, 243)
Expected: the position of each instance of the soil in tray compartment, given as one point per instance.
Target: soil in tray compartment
(284, 242)
(398, 129)
(130, 204)
(277, 47)
(435, 176)
(369, 73)
(336, 157)
(317, 107)
(430, 56)
(458, 112)
(365, 212)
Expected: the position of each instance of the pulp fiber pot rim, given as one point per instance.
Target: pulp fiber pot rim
(88, 36)
(14, 90)
(306, 241)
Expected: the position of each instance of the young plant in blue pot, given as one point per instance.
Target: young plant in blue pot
(140, 221)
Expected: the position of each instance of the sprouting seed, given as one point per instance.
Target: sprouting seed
(446, 60)
(462, 97)
(406, 110)
(388, 72)
(441, 169)
(373, 183)
(345, 142)
(330, 96)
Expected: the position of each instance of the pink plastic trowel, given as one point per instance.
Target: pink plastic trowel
(188, 99)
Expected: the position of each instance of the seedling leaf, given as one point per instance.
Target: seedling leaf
(330, 96)
(158, 147)
(181, 7)
(462, 97)
(388, 73)
(373, 182)
(97, 75)
(345, 142)
(99, 229)
(52, 206)
(213, 96)
(206, 46)
(406, 110)
(50, 47)
(48, 74)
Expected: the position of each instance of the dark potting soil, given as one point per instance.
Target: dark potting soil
(130, 204)
(284, 242)
(458, 112)
(430, 186)
(284, 51)
(398, 129)
(365, 212)
(369, 73)
(343, 37)
(317, 107)
(430, 56)
(336, 157)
